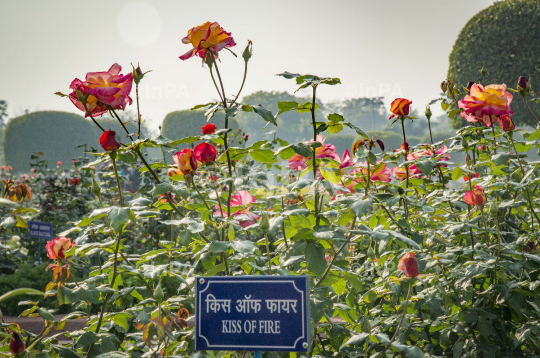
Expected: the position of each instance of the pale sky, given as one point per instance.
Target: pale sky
(384, 48)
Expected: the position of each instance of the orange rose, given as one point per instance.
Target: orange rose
(475, 196)
(208, 36)
(400, 107)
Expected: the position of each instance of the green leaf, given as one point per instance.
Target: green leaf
(162, 188)
(306, 107)
(263, 156)
(404, 239)
(457, 173)
(286, 106)
(303, 150)
(21, 291)
(500, 159)
(360, 132)
(356, 339)
(288, 75)
(534, 136)
(334, 117)
(370, 296)
(315, 260)
(219, 246)
(118, 218)
(264, 113)
(425, 166)
(521, 147)
(286, 152)
(244, 246)
(65, 352)
(410, 351)
(362, 207)
(45, 314)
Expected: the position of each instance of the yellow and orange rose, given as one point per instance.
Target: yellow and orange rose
(208, 36)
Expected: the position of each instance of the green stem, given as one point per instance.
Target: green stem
(529, 109)
(93, 119)
(121, 123)
(484, 221)
(494, 138)
(400, 322)
(242, 86)
(368, 178)
(138, 111)
(317, 220)
(330, 265)
(113, 158)
(268, 254)
(498, 247)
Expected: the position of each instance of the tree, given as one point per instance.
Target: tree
(505, 37)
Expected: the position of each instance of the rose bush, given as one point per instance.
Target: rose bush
(422, 264)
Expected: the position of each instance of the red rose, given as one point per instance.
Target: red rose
(475, 196)
(108, 141)
(208, 128)
(205, 153)
(408, 265)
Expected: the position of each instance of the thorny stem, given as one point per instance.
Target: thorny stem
(529, 109)
(330, 264)
(215, 84)
(121, 123)
(226, 145)
(93, 119)
(138, 111)
(113, 159)
(484, 221)
(400, 322)
(268, 253)
(317, 220)
(498, 248)
(494, 139)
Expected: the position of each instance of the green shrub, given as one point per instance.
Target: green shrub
(56, 134)
(341, 142)
(28, 276)
(180, 124)
(507, 38)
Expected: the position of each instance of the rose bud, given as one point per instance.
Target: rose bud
(428, 113)
(59, 163)
(205, 153)
(475, 197)
(444, 86)
(522, 83)
(208, 36)
(507, 124)
(400, 107)
(380, 143)
(108, 141)
(75, 181)
(16, 344)
(404, 146)
(531, 246)
(408, 264)
(56, 248)
(208, 128)
(246, 137)
(467, 177)
(186, 161)
(469, 85)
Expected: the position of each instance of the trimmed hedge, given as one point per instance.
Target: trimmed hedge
(56, 134)
(180, 124)
(505, 36)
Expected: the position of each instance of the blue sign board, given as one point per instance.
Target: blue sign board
(252, 313)
(41, 230)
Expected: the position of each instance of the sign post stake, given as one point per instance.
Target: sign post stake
(39, 253)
